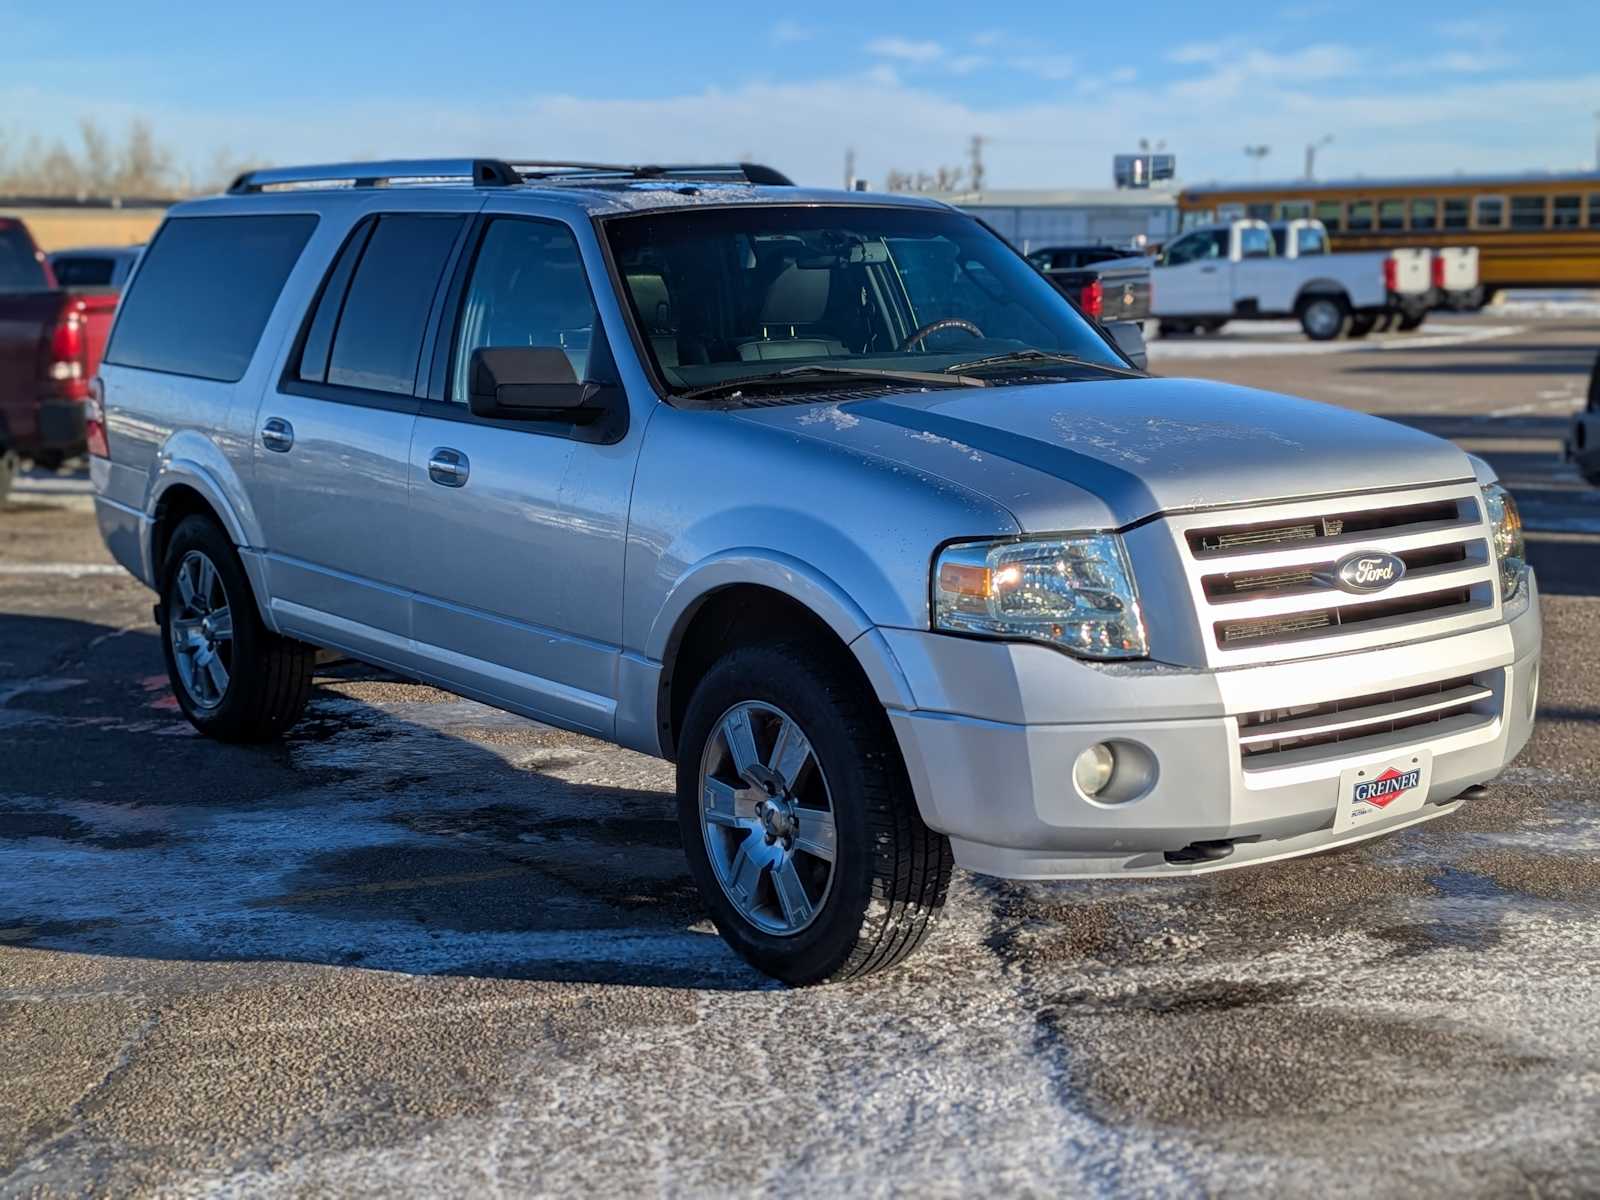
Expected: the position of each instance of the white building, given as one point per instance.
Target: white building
(1031, 218)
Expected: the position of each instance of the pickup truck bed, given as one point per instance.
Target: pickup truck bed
(51, 341)
(1118, 290)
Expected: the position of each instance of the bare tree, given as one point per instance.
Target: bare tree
(145, 164)
(99, 159)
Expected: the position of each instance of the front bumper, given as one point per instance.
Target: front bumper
(996, 726)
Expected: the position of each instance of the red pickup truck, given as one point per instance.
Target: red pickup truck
(50, 346)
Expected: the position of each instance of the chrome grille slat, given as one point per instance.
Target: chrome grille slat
(1339, 727)
(1262, 579)
(1365, 717)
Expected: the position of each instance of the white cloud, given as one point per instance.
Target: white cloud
(1485, 31)
(787, 32)
(1050, 67)
(990, 38)
(1383, 125)
(966, 64)
(906, 50)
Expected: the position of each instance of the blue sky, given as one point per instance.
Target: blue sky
(1056, 88)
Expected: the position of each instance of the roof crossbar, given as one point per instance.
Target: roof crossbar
(492, 172)
(740, 172)
(481, 172)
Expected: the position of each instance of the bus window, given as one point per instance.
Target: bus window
(1360, 216)
(1196, 218)
(1455, 214)
(1258, 212)
(1566, 212)
(1294, 210)
(1527, 212)
(1392, 214)
(1424, 214)
(1331, 214)
(1491, 212)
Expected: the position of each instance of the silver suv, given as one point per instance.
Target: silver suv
(830, 498)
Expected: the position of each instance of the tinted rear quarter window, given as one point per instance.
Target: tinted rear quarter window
(378, 336)
(19, 269)
(204, 292)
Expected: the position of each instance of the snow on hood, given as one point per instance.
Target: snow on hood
(1107, 453)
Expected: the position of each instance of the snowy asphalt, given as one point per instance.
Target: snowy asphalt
(425, 947)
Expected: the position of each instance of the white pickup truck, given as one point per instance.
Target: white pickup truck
(1235, 269)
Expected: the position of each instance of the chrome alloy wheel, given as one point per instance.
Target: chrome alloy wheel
(767, 818)
(201, 628)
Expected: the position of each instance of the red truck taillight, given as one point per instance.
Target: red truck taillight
(1438, 270)
(94, 420)
(1391, 275)
(1092, 299)
(67, 367)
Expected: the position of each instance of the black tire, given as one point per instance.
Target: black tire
(1410, 322)
(1211, 326)
(8, 471)
(891, 872)
(269, 677)
(1360, 326)
(1594, 386)
(49, 460)
(1171, 328)
(1323, 317)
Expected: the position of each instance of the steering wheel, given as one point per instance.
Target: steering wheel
(933, 327)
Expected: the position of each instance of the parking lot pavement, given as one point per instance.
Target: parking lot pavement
(422, 946)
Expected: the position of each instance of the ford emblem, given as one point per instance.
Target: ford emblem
(1368, 571)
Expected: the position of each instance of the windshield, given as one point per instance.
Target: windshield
(743, 293)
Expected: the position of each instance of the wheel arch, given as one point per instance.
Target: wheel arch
(186, 488)
(1319, 288)
(743, 596)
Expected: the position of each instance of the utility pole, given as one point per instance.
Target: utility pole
(1311, 154)
(976, 170)
(1255, 155)
(849, 170)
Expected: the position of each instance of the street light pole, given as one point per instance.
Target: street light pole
(1311, 154)
(1256, 154)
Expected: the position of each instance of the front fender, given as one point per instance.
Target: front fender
(637, 715)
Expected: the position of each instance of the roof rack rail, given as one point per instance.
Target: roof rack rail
(481, 172)
(737, 172)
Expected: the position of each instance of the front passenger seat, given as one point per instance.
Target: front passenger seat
(798, 297)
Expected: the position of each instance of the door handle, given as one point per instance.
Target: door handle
(277, 434)
(447, 467)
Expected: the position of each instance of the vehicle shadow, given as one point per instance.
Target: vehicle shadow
(396, 828)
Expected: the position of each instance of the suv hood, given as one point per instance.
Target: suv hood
(1107, 453)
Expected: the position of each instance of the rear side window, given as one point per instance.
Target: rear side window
(76, 272)
(204, 293)
(19, 269)
(377, 334)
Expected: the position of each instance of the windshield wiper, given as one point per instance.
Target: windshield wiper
(947, 378)
(1020, 357)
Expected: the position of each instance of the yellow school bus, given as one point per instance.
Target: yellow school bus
(1539, 230)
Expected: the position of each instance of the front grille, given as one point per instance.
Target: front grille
(1266, 581)
(1464, 702)
(1280, 629)
(1391, 519)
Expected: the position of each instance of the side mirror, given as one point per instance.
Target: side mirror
(1129, 338)
(525, 383)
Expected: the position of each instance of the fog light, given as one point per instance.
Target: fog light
(1093, 769)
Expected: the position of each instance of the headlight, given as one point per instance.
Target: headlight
(1509, 548)
(1074, 592)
